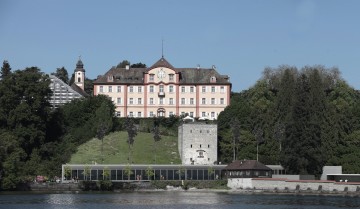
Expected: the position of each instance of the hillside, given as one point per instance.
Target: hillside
(116, 150)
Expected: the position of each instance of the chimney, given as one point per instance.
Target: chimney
(127, 67)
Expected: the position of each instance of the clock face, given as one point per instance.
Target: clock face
(161, 74)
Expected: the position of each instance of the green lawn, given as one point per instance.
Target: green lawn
(116, 150)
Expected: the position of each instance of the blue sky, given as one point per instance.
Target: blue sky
(239, 37)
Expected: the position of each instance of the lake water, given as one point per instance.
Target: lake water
(176, 200)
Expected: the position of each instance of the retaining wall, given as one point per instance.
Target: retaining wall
(291, 185)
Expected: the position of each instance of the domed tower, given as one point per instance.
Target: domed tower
(80, 74)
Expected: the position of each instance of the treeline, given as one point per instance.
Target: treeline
(302, 119)
(36, 139)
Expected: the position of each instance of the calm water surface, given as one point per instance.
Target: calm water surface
(176, 200)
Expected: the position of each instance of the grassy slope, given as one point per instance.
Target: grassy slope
(116, 150)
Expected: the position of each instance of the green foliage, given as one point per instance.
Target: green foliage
(128, 171)
(149, 172)
(5, 70)
(62, 74)
(308, 118)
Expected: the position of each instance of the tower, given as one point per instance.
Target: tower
(80, 74)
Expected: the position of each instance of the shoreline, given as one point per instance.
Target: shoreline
(194, 190)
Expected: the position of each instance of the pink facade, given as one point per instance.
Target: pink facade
(162, 90)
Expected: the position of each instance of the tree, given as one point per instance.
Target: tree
(138, 65)
(5, 69)
(103, 124)
(149, 172)
(258, 133)
(132, 132)
(87, 172)
(235, 130)
(157, 137)
(128, 171)
(62, 74)
(123, 64)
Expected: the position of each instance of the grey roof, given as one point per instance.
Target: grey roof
(187, 75)
(246, 165)
(79, 90)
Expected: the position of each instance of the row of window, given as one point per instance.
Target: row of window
(171, 89)
(152, 76)
(162, 101)
(191, 146)
(153, 114)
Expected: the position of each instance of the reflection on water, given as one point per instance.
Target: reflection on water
(176, 200)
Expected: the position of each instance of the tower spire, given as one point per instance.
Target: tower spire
(162, 48)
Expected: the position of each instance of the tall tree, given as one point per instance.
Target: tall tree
(5, 69)
(132, 132)
(103, 123)
(235, 130)
(156, 136)
(62, 74)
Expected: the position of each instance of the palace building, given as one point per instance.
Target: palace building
(163, 90)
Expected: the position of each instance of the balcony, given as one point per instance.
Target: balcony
(161, 94)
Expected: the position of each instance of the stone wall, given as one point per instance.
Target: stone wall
(292, 185)
(198, 143)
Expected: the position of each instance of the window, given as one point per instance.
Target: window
(256, 173)
(151, 89)
(222, 101)
(131, 89)
(171, 89)
(118, 114)
(139, 100)
(171, 101)
(161, 101)
(203, 114)
(203, 101)
(110, 88)
(171, 77)
(161, 88)
(213, 114)
(201, 154)
(208, 145)
(212, 101)
(192, 114)
(248, 173)
(213, 89)
(131, 114)
(183, 89)
(171, 113)
(131, 101)
(118, 100)
(118, 88)
(191, 101)
(191, 89)
(190, 144)
(151, 114)
(101, 89)
(151, 77)
(183, 113)
(203, 89)
(182, 100)
(151, 101)
(139, 114)
(139, 89)
(222, 89)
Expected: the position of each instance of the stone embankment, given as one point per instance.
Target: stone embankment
(285, 185)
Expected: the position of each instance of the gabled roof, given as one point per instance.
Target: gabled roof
(79, 90)
(246, 165)
(162, 62)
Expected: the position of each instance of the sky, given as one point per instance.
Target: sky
(240, 37)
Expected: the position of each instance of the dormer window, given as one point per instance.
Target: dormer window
(151, 78)
(213, 79)
(110, 78)
(171, 77)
